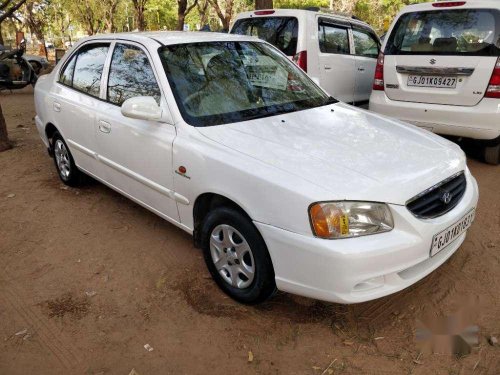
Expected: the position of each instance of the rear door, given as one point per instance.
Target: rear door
(336, 64)
(366, 49)
(443, 56)
(75, 101)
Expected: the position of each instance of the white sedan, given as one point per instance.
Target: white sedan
(281, 186)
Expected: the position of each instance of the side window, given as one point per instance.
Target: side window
(130, 75)
(365, 44)
(66, 77)
(333, 39)
(88, 68)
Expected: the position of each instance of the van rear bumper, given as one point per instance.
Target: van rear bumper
(481, 121)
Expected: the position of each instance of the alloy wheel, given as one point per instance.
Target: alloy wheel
(62, 159)
(232, 256)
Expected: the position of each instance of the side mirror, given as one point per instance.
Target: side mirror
(142, 108)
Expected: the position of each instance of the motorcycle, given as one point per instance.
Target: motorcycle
(15, 71)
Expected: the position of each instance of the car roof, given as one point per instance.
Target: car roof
(467, 4)
(301, 12)
(174, 37)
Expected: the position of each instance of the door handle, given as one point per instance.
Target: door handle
(104, 127)
(57, 107)
(361, 69)
(327, 67)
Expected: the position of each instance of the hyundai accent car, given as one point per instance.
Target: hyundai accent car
(281, 186)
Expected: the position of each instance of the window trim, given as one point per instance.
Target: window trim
(104, 92)
(368, 32)
(339, 25)
(76, 54)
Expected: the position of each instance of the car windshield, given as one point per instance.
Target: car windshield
(446, 32)
(279, 31)
(217, 83)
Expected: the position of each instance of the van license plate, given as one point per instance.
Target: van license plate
(447, 236)
(433, 81)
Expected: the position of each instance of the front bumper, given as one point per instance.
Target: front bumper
(478, 122)
(361, 269)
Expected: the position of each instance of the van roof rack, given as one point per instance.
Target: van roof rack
(329, 11)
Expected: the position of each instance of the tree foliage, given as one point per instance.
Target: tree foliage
(58, 18)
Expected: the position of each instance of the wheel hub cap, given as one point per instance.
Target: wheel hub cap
(62, 159)
(232, 256)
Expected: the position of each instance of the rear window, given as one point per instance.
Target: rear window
(279, 31)
(446, 32)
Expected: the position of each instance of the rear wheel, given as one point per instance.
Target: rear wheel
(237, 256)
(66, 168)
(492, 154)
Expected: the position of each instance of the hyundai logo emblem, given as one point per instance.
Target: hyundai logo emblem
(446, 197)
(432, 61)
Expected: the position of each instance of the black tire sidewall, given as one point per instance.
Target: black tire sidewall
(74, 178)
(492, 154)
(263, 285)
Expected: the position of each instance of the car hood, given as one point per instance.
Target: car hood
(351, 153)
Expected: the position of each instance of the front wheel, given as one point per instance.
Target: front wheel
(492, 154)
(237, 256)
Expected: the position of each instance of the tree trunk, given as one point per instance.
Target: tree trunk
(140, 22)
(203, 12)
(4, 138)
(1, 36)
(263, 4)
(180, 21)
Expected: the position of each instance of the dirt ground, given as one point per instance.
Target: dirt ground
(87, 278)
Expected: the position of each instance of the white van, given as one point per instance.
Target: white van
(338, 53)
(440, 70)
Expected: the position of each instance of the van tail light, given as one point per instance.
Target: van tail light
(301, 60)
(263, 12)
(378, 81)
(493, 90)
(448, 4)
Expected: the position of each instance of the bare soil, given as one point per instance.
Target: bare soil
(87, 278)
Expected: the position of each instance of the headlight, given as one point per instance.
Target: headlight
(345, 219)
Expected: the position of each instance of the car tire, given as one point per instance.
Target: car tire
(237, 256)
(65, 164)
(492, 154)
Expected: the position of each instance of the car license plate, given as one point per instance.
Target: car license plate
(432, 81)
(447, 236)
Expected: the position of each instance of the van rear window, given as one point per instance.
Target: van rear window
(446, 32)
(279, 31)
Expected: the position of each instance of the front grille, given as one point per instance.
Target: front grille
(439, 199)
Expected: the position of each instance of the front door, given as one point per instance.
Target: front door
(136, 154)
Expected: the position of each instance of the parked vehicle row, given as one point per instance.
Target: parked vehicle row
(281, 185)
